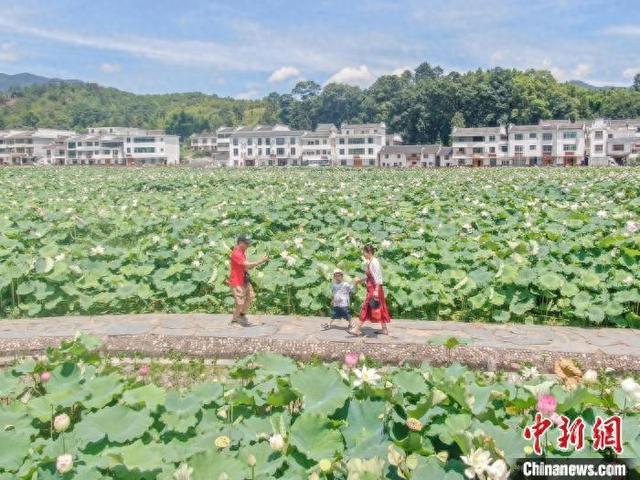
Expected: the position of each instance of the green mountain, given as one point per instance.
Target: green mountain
(20, 80)
(421, 105)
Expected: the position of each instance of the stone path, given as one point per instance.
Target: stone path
(489, 346)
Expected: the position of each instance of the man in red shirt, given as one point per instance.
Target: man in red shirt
(239, 281)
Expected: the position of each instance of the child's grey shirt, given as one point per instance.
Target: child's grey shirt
(341, 294)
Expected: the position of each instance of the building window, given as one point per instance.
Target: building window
(492, 149)
(504, 148)
(356, 151)
(342, 151)
(492, 138)
(477, 139)
(249, 151)
(267, 141)
(532, 147)
(235, 151)
(343, 162)
(518, 136)
(599, 134)
(386, 155)
(533, 135)
(547, 137)
(518, 148)
(250, 141)
(268, 151)
(569, 135)
(372, 162)
(292, 141)
(235, 141)
(569, 147)
(618, 148)
(547, 149)
(461, 150)
(280, 151)
(599, 149)
(398, 155)
(478, 149)
(280, 141)
(259, 151)
(293, 151)
(370, 140)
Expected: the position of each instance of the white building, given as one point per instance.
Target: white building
(415, 156)
(480, 147)
(265, 145)
(359, 144)
(613, 141)
(123, 146)
(563, 142)
(319, 146)
(30, 146)
(204, 142)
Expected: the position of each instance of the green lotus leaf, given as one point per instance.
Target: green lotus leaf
(313, 436)
(118, 424)
(322, 389)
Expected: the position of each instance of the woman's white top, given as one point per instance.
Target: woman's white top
(376, 270)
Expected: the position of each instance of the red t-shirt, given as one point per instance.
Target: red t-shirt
(238, 258)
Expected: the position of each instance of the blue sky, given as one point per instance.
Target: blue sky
(246, 49)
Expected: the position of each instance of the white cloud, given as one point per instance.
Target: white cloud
(630, 72)
(401, 70)
(497, 57)
(110, 67)
(357, 76)
(284, 73)
(625, 30)
(581, 71)
(8, 52)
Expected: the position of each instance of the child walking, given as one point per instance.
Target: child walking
(341, 299)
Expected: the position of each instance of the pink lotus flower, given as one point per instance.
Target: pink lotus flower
(555, 418)
(351, 359)
(45, 377)
(547, 404)
(143, 371)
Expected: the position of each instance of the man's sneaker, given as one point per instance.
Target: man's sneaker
(241, 320)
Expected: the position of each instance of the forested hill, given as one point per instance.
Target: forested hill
(422, 105)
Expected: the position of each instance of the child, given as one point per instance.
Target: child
(341, 299)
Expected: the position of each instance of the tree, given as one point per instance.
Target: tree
(636, 82)
(427, 72)
(457, 120)
(305, 89)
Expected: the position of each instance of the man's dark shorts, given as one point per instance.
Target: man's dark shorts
(340, 312)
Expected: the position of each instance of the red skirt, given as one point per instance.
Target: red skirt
(365, 311)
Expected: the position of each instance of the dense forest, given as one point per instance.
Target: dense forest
(422, 105)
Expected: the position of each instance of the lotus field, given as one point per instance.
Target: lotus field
(75, 415)
(555, 246)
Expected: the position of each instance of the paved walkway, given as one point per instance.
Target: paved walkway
(488, 345)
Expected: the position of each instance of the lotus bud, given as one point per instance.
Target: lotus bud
(276, 442)
(223, 476)
(61, 422)
(314, 476)
(64, 463)
(45, 377)
(590, 377)
(143, 371)
(629, 386)
(251, 460)
(325, 465)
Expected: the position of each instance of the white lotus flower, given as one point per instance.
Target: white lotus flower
(498, 470)
(529, 372)
(365, 375)
(630, 386)
(75, 269)
(61, 422)
(386, 244)
(64, 463)
(478, 461)
(297, 242)
(60, 257)
(155, 238)
(632, 227)
(97, 250)
(602, 214)
(276, 442)
(196, 264)
(183, 472)
(590, 377)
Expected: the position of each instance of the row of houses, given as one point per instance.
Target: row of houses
(550, 142)
(98, 146)
(353, 145)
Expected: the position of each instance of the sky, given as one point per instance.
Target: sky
(248, 48)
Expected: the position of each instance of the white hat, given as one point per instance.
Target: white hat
(337, 270)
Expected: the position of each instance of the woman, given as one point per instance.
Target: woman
(375, 295)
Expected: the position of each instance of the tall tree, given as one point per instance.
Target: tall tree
(636, 82)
